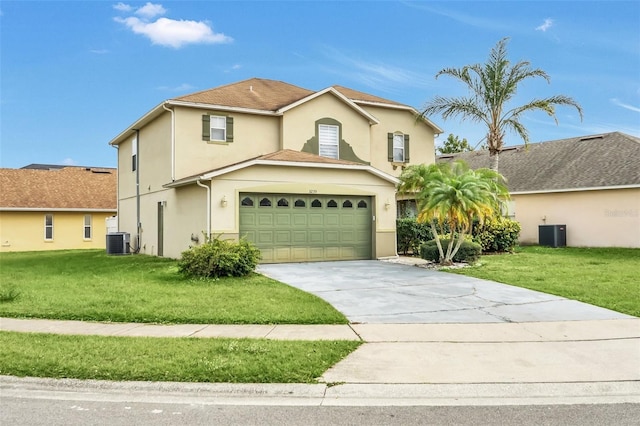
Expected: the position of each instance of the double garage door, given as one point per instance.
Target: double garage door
(307, 228)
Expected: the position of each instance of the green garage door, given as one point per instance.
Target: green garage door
(307, 228)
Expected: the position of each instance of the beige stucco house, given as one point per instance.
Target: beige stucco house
(305, 175)
(591, 184)
(50, 207)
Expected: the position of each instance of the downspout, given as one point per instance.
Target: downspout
(173, 142)
(208, 207)
(139, 225)
(117, 147)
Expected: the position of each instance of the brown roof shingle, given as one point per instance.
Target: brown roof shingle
(610, 159)
(66, 188)
(267, 95)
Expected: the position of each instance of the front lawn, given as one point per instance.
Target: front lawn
(606, 277)
(92, 286)
(168, 359)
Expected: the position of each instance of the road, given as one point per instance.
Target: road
(64, 411)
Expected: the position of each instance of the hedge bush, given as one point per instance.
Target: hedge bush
(499, 234)
(220, 258)
(469, 252)
(411, 234)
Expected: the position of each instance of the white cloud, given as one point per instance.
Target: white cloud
(184, 87)
(69, 162)
(99, 51)
(122, 7)
(548, 23)
(625, 106)
(151, 10)
(170, 32)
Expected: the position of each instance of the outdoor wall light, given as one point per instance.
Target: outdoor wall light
(223, 201)
(387, 205)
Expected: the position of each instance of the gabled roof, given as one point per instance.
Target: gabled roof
(285, 158)
(587, 162)
(266, 97)
(67, 188)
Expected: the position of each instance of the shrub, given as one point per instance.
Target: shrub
(220, 258)
(469, 252)
(499, 234)
(411, 234)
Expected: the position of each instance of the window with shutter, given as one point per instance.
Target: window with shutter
(398, 147)
(328, 140)
(217, 128)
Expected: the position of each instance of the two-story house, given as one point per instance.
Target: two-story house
(305, 175)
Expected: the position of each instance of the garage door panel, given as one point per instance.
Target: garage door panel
(299, 228)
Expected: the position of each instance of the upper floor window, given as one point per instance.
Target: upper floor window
(48, 227)
(134, 154)
(87, 226)
(398, 147)
(328, 140)
(217, 128)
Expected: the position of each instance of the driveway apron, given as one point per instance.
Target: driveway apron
(378, 292)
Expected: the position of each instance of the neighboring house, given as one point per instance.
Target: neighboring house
(591, 184)
(48, 207)
(305, 175)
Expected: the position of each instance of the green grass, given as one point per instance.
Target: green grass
(168, 359)
(606, 277)
(89, 285)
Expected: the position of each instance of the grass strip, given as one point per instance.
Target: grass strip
(168, 359)
(605, 277)
(89, 285)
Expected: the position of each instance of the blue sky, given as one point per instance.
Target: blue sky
(74, 74)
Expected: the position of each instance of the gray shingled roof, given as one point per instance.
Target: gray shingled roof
(611, 159)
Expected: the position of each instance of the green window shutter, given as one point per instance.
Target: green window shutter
(406, 148)
(390, 146)
(206, 128)
(229, 129)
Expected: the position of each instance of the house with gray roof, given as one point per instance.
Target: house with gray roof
(591, 184)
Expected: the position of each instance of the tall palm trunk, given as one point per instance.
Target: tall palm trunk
(494, 159)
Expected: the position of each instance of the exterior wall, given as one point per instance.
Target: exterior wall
(254, 135)
(421, 142)
(299, 124)
(24, 231)
(601, 218)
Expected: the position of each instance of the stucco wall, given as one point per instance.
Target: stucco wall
(24, 231)
(601, 218)
(298, 124)
(254, 135)
(421, 143)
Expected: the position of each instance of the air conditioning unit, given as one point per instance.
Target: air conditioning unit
(552, 235)
(118, 243)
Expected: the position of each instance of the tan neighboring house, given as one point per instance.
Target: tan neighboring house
(305, 175)
(47, 207)
(591, 184)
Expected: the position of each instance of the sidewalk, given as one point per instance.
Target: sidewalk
(402, 364)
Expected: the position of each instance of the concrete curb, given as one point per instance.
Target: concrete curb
(324, 394)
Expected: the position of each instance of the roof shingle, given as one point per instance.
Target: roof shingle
(606, 160)
(65, 188)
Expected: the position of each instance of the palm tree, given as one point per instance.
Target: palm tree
(452, 194)
(492, 86)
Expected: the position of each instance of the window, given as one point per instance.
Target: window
(332, 204)
(300, 203)
(134, 154)
(362, 204)
(316, 203)
(328, 140)
(87, 226)
(398, 148)
(283, 202)
(247, 202)
(265, 202)
(48, 227)
(217, 128)
(347, 204)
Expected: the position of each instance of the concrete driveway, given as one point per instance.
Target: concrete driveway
(377, 292)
